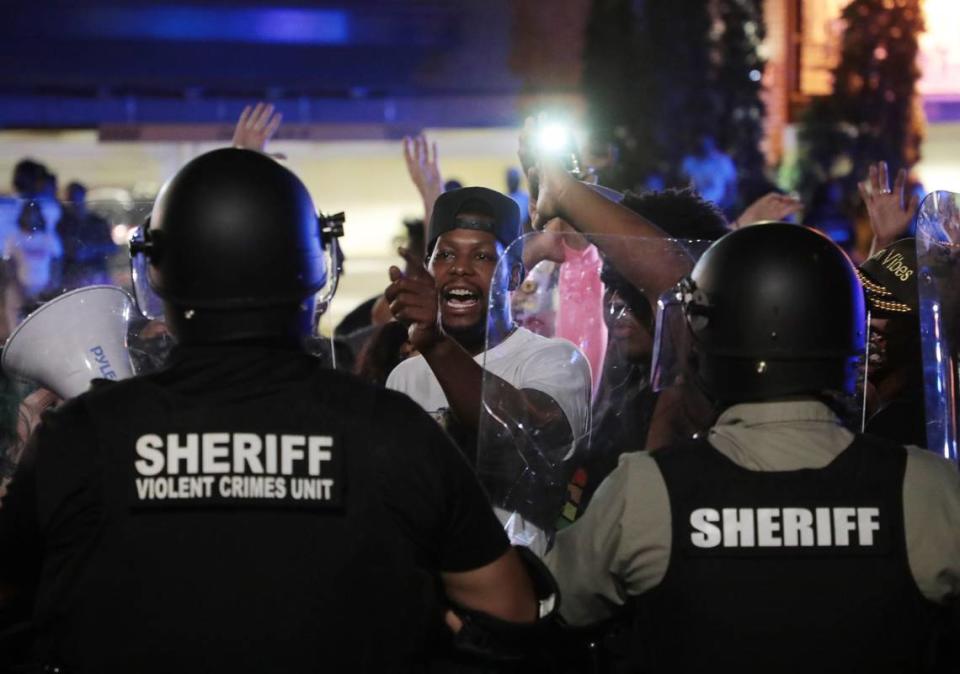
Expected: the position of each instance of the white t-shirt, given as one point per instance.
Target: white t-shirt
(33, 253)
(525, 360)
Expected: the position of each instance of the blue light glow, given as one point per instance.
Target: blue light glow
(281, 25)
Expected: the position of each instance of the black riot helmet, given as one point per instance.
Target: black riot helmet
(774, 310)
(235, 249)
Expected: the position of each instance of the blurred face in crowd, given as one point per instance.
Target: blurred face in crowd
(894, 343)
(77, 195)
(878, 347)
(627, 333)
(463, 264)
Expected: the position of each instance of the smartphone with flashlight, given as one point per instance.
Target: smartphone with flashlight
(555, 139)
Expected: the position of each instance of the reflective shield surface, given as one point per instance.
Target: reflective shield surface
(938, 263)
(567, 384)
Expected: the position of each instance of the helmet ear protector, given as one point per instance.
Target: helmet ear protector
(145, 249)
(144, 242)
(331, 229)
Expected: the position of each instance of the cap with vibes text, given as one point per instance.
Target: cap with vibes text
(889, 278)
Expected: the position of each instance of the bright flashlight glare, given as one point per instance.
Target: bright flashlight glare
(554, 138)
(121, 234)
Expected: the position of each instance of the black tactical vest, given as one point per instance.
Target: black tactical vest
(270, 548)
(795, 571)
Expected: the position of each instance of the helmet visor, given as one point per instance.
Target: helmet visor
(671, 340)
(148, 302)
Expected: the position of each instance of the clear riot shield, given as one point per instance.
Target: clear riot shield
(45, 265)
(568, 389)
(67, 313)
(938, 264)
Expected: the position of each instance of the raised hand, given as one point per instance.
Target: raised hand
(256, 127)
(412, 297)
(889, 211)
(552, 181)
(546, 175)
(423, 167)
(772, 206)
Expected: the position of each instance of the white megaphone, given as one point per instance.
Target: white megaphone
(78, 336)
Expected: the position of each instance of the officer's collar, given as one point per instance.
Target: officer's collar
(783, 410)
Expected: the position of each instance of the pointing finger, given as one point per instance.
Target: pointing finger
(415, 268)
(410, 289)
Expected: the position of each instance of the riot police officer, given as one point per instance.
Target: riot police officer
(246, 509)
(780, 541)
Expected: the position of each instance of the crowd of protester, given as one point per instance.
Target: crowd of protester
(50, 242)
(524, 323)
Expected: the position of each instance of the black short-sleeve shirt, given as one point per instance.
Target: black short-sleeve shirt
(166, 541)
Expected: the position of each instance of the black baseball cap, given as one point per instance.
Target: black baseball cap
(889, 278)
(452, 210)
